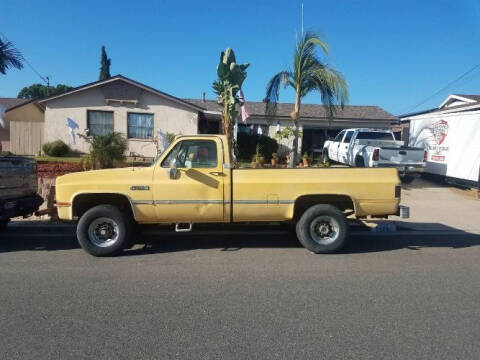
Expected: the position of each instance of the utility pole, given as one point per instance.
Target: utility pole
(302, 19)
(47, 80)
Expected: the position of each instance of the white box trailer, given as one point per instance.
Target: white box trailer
(451, 135)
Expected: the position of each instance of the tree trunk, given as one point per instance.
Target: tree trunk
(227, 130)
(295, 118)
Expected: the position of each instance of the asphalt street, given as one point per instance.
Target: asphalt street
(411, 295)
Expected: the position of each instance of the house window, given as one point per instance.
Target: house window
(140, 126)
(252, 129)
(99, 122)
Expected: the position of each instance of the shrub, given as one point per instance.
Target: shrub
(106, 151)
(247, 145)
(56, 148)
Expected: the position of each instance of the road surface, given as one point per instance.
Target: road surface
(239, 296)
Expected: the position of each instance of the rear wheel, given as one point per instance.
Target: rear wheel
(359, 162)
(322, 229)
(407, 179)
(104, 231)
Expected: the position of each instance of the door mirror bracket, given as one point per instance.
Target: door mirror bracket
(173, 171)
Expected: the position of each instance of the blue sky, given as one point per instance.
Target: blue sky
(393, 53)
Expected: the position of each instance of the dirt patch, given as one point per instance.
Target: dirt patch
(53, 169)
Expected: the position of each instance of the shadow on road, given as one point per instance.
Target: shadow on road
(169, 242)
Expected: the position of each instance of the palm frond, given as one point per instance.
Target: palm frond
(331, 85)
(273, 91)
(9, 57)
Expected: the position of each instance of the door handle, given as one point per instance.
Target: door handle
(217, 173)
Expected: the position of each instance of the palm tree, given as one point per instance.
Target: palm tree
(309, 74)
(9, 56)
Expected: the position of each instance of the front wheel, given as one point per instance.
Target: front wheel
(325, 158)
(104, 231)
(322, 229)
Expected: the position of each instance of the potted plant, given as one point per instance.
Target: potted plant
(257, 158)
(274, 160)
(305, 159)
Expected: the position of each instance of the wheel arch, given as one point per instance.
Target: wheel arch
(341, 201)
(82, 202)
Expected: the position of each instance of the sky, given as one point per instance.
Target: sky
(394, 54)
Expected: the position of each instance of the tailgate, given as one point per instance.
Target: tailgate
(398, 156)
(18, 177)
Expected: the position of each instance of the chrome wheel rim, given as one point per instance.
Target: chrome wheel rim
(324, 230)
(103, 232)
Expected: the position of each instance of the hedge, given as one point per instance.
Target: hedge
(56, 148)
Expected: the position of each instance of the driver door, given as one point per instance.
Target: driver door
(196, 193)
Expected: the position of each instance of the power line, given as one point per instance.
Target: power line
(444, 88)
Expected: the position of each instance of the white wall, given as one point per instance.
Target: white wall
(168, 116)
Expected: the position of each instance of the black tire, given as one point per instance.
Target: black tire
(104, 221)
(407, 179)
(359, 162)
(318, 219)
(3, 224)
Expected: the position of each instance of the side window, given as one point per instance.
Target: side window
(193, 154)
(339, 136)
(348, 137)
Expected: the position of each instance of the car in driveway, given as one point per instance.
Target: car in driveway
(374, 148)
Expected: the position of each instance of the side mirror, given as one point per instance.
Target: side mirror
(173, 171)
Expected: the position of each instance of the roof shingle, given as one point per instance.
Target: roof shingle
(307, 111)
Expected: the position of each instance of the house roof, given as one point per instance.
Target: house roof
(10, 103)
(467, 103)
(127, 80)
(307, 111)
(471, 97)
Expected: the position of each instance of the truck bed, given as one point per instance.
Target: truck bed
(279, 188)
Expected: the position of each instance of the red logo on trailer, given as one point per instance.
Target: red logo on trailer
(440, 131)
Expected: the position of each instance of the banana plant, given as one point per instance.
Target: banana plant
(227, 86)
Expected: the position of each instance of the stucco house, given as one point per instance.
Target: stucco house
(24, 124)
(122, 105)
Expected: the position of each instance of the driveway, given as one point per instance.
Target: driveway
(441, 207)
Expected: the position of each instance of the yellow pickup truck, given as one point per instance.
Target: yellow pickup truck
(194, 181)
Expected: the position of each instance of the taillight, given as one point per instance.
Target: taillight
(398, 191)
(425, 155)
(376, 154)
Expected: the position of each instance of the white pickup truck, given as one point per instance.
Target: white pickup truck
(374, 148)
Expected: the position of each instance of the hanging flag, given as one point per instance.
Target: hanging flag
(3, 109)
(163, 139)
(72, 125)
(243, 108)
